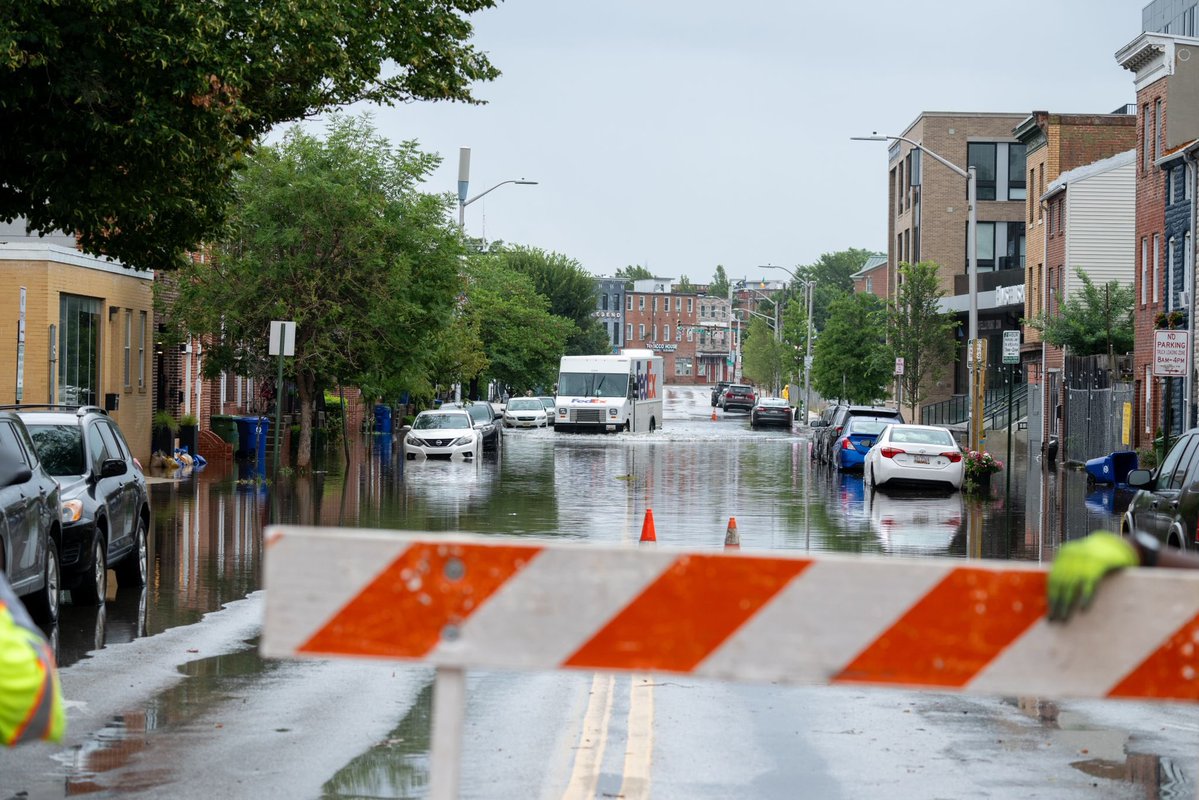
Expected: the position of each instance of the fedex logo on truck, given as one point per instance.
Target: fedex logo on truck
(647, 381)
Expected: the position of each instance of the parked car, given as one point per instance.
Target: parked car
(828, 435)
(105, 503)
(771, 411)
(1166, 503)
(549, 403)
(914, 455)
(30, 521)
(525, 412)
(718, 392)
(444, 435)
(851, 447)
(483, 418)
(738, 395)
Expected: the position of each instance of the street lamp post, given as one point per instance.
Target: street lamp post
(973, 349)
(464, 184)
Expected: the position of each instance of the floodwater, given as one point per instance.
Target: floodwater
(695, 474)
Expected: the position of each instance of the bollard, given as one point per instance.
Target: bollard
(647, 527)
(732, 539)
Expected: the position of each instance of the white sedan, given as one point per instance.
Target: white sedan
(525, 412)
(914, 454)
(443, 434)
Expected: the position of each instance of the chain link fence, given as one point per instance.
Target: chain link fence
(1095, 421)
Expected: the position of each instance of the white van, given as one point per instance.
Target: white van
(609, 393)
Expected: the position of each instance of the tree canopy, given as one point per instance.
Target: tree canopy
(1094, 320)
(570, 290)
(832, 273)
(920, 333)
(126, 122)
(720, 283)
(634, 272)
(852, 360)
(334, 235)
(762, 356)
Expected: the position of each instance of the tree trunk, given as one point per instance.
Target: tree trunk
(306, 387)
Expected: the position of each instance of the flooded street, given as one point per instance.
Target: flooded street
(171, 702)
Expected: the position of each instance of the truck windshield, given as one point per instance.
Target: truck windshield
(592, 384)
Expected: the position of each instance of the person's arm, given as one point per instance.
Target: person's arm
(31, 705)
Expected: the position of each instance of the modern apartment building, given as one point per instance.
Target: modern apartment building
(1179, 17)
(927, 221)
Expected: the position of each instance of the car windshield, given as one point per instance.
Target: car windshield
(593, 384)
(871, 427)
(922, 436)
(478, 413)
(525, 404)
(427, 422)
(548, 402)
(60, 448)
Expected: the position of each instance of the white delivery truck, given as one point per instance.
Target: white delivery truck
(609, 393)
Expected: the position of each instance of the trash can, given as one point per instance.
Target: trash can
(383, 420)
(225, 426)
(1112, 468)
(251, 435)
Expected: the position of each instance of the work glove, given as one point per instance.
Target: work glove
(1078, 568)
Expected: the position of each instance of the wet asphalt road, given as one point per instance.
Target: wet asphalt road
(169, 698)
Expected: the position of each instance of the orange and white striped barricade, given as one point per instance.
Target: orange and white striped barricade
(462, 603)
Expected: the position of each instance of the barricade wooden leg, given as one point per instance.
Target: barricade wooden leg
(445, 751)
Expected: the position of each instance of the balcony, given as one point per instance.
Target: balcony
(988, 281)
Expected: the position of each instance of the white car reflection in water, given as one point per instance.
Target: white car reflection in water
(922, 524)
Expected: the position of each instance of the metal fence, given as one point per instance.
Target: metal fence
(1095, 422)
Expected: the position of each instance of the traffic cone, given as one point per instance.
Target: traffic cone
(647, 527)
(713, 413)
(732, 539)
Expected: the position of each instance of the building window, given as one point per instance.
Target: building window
(127, 362)
(1159, 122)
(690, 304)
(78, 350)
(629, 332)
(604, 301)
(895, 191)
(981, 156)
(1144, 270)
(1188, 180)
(141, 349)
(1017, 159)
(1061, 213)
(1013, 257)
(1157, 266)
(1146, 137)
(1169, 186)
(869, 284)
(682, 366)
(666, 332)
(641, 331)
(628, 305)
(1032, 201)
(984, 247)
(1040, 190)
(666, 303)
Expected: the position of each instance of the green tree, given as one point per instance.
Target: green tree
(832, 273)
(523, 340)
(634, 272)
(920, 333)
(852, 360)
(1094, 320)
(126, 122)
(570, 290)
(461, 353)
(720, 283)
(334, 235)
(761, 355)
(685, 285)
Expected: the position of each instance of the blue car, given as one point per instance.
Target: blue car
(850, 449)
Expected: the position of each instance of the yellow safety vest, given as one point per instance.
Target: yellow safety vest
(31, 704)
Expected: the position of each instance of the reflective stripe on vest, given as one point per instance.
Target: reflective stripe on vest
(28, 686)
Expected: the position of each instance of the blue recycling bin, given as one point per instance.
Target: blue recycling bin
(383, 420)
(1113, 468)
(251, 437)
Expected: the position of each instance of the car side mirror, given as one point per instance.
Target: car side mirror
(818, 423)
(112, 467)
(17, 474)
(1139, 478)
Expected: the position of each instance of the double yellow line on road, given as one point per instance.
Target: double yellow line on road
(593, 740)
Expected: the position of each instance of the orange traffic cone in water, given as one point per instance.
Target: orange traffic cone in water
(647, 527)
(732, 539)
(713, 413)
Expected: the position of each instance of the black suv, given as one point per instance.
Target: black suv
(718, 391)
(738, 395)
(105, 506)
(1167, 503)
(30, 530)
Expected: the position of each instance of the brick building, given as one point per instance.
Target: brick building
(927, 219)
(691, 331)
(874, 277)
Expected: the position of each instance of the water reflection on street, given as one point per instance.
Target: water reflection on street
(695, 475)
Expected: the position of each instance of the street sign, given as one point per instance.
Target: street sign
(289, 338)
(1169, 354)
(807, 362)
(1011, 347)
(899, 366)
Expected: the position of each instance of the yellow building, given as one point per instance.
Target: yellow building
(88, 333)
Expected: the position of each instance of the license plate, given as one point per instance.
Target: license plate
(921, 459)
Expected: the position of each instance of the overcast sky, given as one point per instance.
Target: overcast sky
(682, 134)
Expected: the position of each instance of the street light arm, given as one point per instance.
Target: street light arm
(784, 269)
(493, 188)
(883, 138)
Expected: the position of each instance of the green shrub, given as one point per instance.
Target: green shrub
(189, 420)
(1147, 458)
(163, 419)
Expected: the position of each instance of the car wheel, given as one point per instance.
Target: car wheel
(133, 569)
(43, 604)
(92, 592)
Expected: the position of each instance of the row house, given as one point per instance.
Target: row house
(1165, 72)
(874, 277)
(692, 332)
